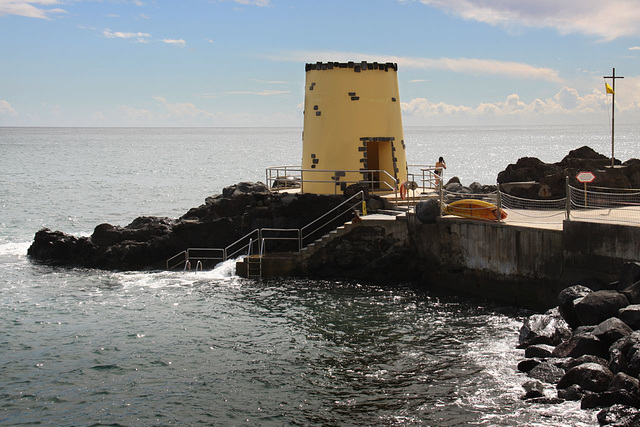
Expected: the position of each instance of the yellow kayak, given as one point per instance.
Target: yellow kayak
(476, 209)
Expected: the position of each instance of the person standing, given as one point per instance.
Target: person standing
(440, 165)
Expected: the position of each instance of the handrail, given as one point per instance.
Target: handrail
(228, 255)
(289, 169)
(176, 256)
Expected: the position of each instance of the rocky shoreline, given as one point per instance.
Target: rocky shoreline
(589, 347)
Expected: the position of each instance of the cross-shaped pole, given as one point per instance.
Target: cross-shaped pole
(613, 77)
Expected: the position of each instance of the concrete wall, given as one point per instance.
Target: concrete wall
(524, 266)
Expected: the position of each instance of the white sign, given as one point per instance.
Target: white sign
(585, 177)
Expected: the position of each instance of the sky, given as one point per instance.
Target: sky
(241, 62)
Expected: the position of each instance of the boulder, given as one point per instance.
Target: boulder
(546, 400)
(546, 372)
(528, 364)
(599, 306)
(609, 398)
(573, 392)
(428, 211)
(476, 188)
(620, 415)
(453, 187)
(569, 363)
(353, 189)
(631, 316)
(622, 381)
(549, 328)
(581, 344)
(632, 292)
(589, 376)
(539, 350)
(243, 188)
(611, 330)
(629, 275)
(533, 388)
(566, 303)
(627, 354)
(453, 180)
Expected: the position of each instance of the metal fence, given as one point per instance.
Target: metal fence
(600, 204)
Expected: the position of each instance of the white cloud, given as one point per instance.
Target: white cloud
(634, 48)
(175, 42)
(113, 15)
(462, 65)
(6, 108)
(209, 41)
(605, 19)
(140, 37)
(30, 8)
(565, 106)
(257, 92)
(143, 16)
(418, 81)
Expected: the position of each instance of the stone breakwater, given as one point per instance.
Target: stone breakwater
(147, 242)
(589, 348)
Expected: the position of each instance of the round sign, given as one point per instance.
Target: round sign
(585, 177)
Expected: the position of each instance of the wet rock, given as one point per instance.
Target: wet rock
(539, 350)
(627, 351)
(528, 364)
(453, 187)
(453, 180)
(617, 361)
(476, 187)
(587, 358)
(584, 329)
(609, 398)
(611, 330)
(546, 372)
(428, 211)
(581, 344)
(622, 381)
(353, 189)
(631, 316)
(589, 376)
(549, 328)
(599, 306)
(533, 388)
(546, 400)
(566, 303)
(573, 392)
(619, 415)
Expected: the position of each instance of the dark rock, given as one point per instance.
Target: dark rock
(631, 316)
(611, 330)
(549, 328)
(453, 187)
(599, 306)
(587, 358)
(629, 275)
(243, 188)
(533, 388)
(619, 415)
(539, 350)
(589, 376)
(617, 361)
(632, 292)
(622, 381)
(566, 303)
(581, 344)
(546, 400)
(528, 364)
(546, 372)
(428, 211)
(453, 180)
(354, 189)
(476, 187)
(609, 398)
(588, 329)
(573, 392)
(625, 354)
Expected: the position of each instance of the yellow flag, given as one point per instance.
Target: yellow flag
(609, 88)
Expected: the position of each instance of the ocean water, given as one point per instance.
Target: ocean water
(83, 347)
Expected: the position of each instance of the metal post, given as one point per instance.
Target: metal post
(568, 200)
(441, 199)
(301, 181)
(499, 202)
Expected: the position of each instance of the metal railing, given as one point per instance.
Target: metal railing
(286, 177)
(429, 176)
(198, 254)
(244, 245)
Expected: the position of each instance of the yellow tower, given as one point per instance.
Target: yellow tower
(352, 127)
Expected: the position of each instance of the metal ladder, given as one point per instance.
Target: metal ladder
(254, 262)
